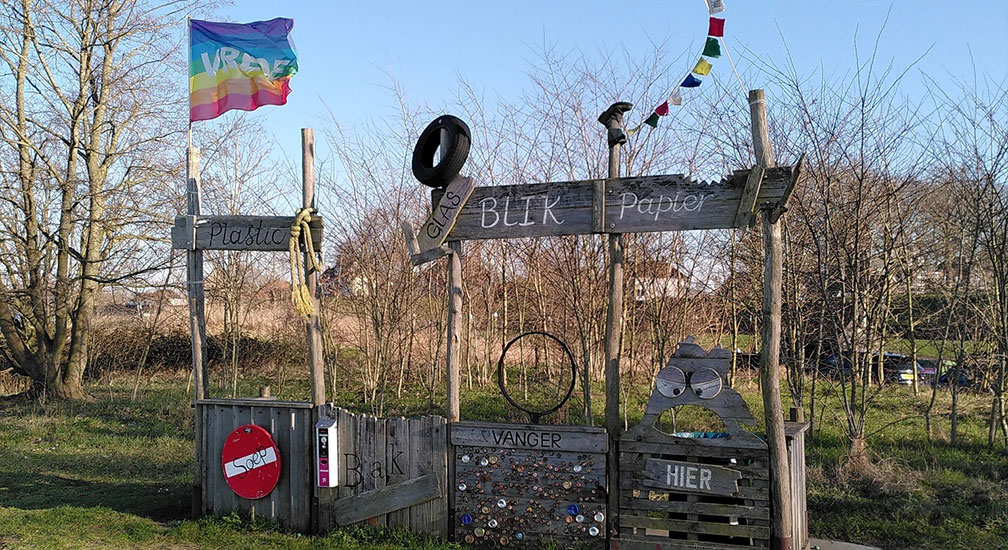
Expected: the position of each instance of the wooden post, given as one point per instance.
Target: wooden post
(454, 325)
(612, 118)
(197, 324)
(781, 520)
(313, 326)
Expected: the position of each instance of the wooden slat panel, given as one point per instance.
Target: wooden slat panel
(627, 519)
(704, 508)
(656, 543)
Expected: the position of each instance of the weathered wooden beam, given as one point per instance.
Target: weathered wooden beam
(581, 439)
(313, 325)
(781, 520)
(631, 205)
(747, 204)
(197, 325)
(387, 499)
(260, 233)
(781, 207)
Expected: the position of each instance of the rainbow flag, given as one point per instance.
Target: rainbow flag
(239, 66)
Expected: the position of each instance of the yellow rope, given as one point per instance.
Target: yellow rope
(300, 296)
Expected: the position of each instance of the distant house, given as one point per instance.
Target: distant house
(275, 291)
(659, 281)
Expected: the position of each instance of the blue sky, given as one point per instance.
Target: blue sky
(349, 52)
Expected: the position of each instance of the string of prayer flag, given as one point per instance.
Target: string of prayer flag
(716, 27)
(712, 50)
(702, 67)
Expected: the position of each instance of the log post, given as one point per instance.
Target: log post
(612, 118)
(781, 520)
(313, 325)
(197, 323)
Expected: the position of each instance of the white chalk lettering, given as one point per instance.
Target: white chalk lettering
(654, 207)
(491, 209)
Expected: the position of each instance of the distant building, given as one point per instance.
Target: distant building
(659, 281)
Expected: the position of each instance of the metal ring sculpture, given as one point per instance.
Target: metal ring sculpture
(534, 415)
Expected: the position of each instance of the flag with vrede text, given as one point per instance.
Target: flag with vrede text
(239, 66)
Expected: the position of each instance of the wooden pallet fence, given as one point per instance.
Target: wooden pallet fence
(290, 425)
(390, 472)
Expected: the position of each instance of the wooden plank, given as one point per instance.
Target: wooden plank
(690, 477)
(397, 452)
(422, 514)
(598, 206)
(376, 502)
(781, 207)
(259, 233)
(528, 436)
(417, 445)
(302, 477)
(705, 508)
(744, 213)
(634, 204)
(439, 466)
(696, 527)
(656, 543)
(247, 402)
(442, 218)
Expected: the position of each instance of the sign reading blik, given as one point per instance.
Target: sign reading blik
(325, 456)
(250, 460)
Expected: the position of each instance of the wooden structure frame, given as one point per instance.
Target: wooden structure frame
(591, 207)
(417, 497)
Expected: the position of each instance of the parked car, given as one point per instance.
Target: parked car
(947, 377)
(905, 373)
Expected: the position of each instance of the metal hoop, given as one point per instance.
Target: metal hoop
(534, 414)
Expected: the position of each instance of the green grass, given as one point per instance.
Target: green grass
(111, 473)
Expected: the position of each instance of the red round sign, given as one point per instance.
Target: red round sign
(251, 462)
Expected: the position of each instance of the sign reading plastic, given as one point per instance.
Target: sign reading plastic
(250, 460)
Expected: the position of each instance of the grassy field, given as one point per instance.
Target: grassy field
(112, 473)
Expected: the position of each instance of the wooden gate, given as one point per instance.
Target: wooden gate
(389, 472)
(687, 490)
(290, 425)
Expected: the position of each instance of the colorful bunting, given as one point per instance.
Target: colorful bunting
(713, 48)
(716, 27)
(702, 67)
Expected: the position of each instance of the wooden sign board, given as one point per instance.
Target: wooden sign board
(529, 436)
(525, 486)
(440, 222)
(690, 477)
(260, 233)
(631, 205)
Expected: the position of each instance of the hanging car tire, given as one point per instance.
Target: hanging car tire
(456, 151)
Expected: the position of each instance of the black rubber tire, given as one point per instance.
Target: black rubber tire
(440, 174)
